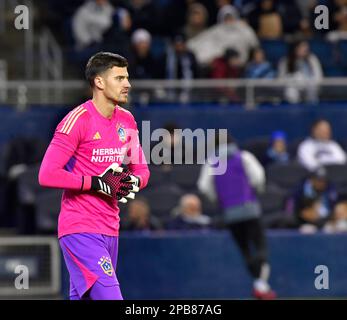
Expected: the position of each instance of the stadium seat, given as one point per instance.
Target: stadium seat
(158, 46)
(335, 71)
(257, 147)
(342, 50)
(272, 200)
(286, 176)
(158, 176)
(28, 185)
(337, 174)
(274, 50)
(47, 210)
(163, 199)
(323, 49)
(186, 176)
(3, 172)
(208, 207)
(293, 147)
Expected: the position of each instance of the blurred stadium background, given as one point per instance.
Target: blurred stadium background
(276, 72)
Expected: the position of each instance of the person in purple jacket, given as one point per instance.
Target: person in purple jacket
(236, 193)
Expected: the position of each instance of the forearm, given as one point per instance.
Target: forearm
(52, 173)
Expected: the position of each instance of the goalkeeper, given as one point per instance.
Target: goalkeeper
(86, 158)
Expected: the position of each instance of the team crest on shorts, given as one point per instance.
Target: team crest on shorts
(106, 265)
(121, 133)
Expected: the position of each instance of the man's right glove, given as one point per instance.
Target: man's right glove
(115, 182)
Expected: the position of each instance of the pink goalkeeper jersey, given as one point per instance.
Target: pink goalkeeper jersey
(84, 144)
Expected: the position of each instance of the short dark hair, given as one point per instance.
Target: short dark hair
(102, 61)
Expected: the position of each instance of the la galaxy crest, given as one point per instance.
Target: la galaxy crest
(106, 265)
(121, 133)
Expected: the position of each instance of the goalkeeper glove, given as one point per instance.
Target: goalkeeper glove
(116, 182)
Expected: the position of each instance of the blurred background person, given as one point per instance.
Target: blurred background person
(338, 11)
(189, 215)
(320, 149)
(142, 63)
(266, 20)
(229, 32)
(197, 20)
(180, 62)
(174, 148)
(236, 192)
(139, 217)
(98, 21)
(314, 201)
(258, 67)
(229, 66)
(277, 151)
(338, 222)
(299, 66)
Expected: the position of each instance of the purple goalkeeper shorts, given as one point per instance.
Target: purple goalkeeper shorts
(91, 260)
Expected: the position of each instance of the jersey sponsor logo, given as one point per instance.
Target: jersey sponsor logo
(97, 136)
(108, 155)
(71, 119)
(106, 265)
(121, 133)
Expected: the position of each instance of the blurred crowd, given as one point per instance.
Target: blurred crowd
(188, 39)
(300, 185)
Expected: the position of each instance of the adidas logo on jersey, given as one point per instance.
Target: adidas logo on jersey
(97, 136)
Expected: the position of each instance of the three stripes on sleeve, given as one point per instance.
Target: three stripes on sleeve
(71, 119)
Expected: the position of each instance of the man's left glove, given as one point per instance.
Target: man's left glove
(116, 182)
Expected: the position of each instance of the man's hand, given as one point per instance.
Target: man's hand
(116, 182)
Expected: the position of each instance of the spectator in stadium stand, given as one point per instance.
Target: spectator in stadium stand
(266, 20)
(139, 217)
(189, 215)
(197, 20)
(229, 66)
(304, 71)
(277, 152)
(338, 222)
(236, 192)
(258, 67)
(338, 21)
(173, 146)
(296, 24)
(314, 201)
(229, 32)
(142, 62)
(180, 62)
(320, 149)
(97, 21)
(308, 17)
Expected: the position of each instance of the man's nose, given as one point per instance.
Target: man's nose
(127, 84)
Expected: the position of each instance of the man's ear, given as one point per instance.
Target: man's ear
(99, 82)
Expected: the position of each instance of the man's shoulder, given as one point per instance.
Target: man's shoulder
(126, 113)
(73, 118)
(121, 109)
(81, 112)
